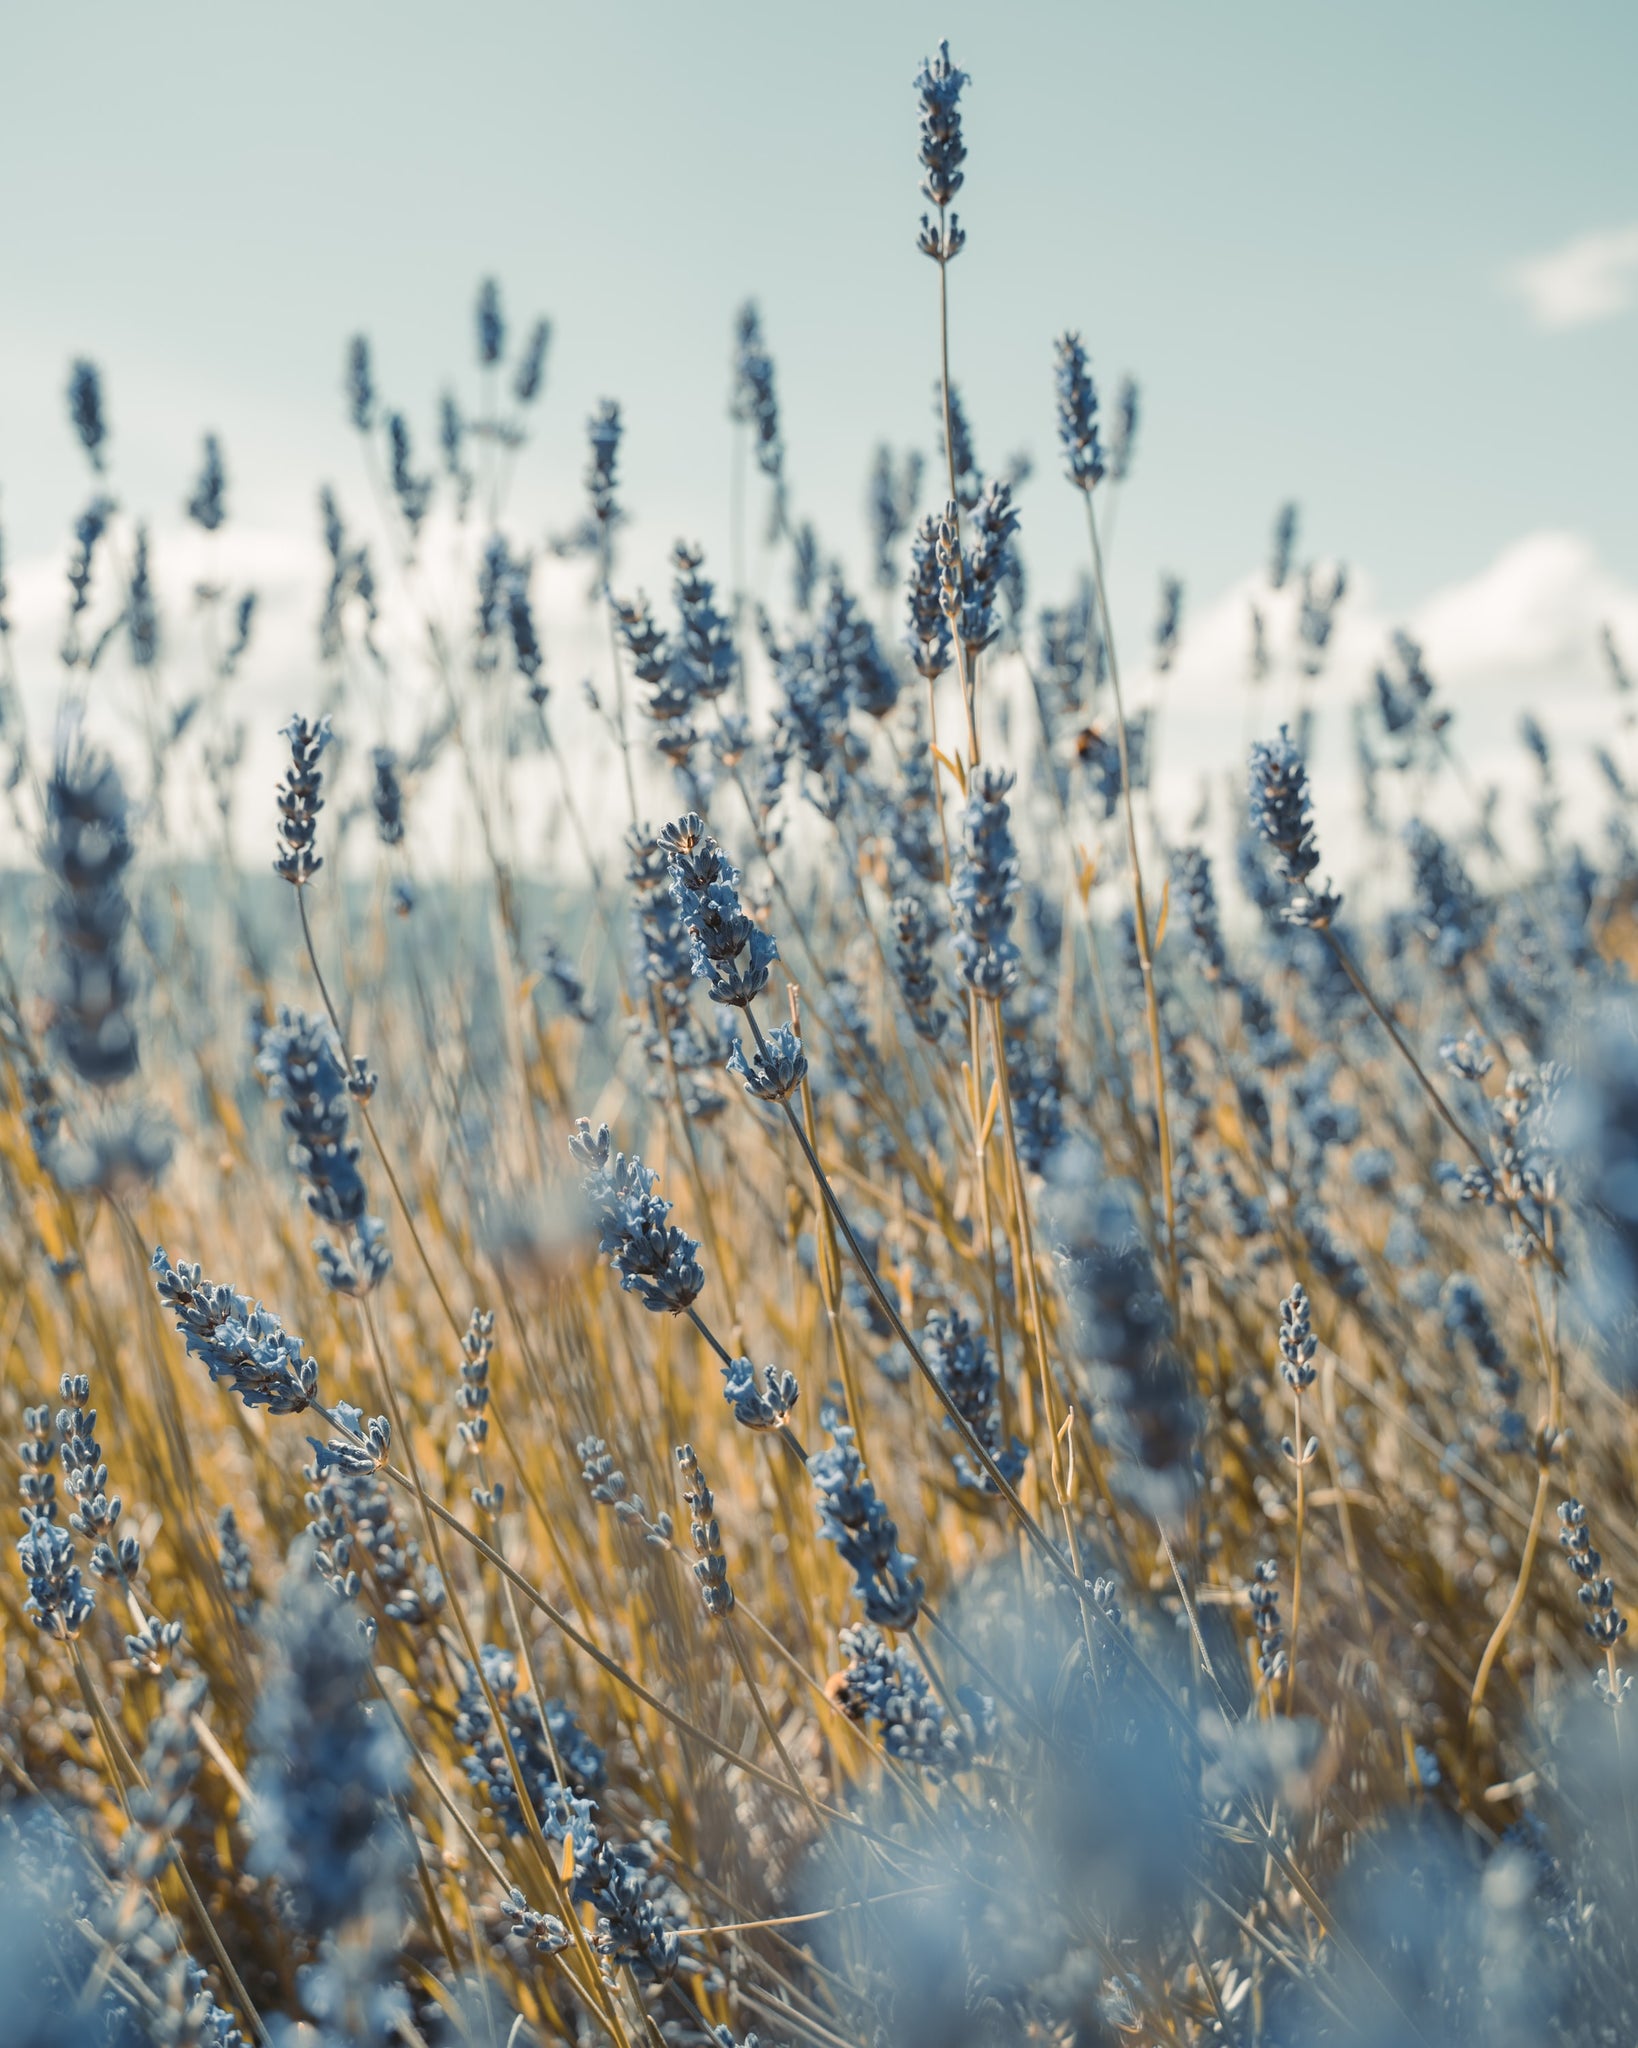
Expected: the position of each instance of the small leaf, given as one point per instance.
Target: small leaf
(989, 1114)
(1165, 912)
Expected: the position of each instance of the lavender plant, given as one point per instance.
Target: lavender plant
(1202, 1314)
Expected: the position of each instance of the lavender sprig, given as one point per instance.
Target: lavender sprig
(732, 955)
(654, 1259)
(1282, 817)
(300, 802)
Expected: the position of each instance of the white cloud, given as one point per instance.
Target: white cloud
(1519, 634)
(1591, 277)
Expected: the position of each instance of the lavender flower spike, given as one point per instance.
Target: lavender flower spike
(654, 1259)
(1078, 415)
(245, 1348)
(767, 1407)
(985, 883)
(300, 802)
(943, 152)
(1282, 816)
(771, 1076)
(705, 886)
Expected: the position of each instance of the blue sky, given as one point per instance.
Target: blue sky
(1291, 221)
(1301, 226)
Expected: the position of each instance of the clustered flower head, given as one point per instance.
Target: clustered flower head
(731, 954)
(1078, 415)
(971, 587)
(943, 152)
(530, 374)
(300, 802)
(59, 1602)
(1606, 1624)
(881, 1685)
(754, 401)
(1466, 1317)
(1071, 659)
(636, 1908)
(388, 797)
(710, 1567)
(913, 957)
(85, 410)
(1322, 595)
(1450, 910)
(327, 1767)
(246, 1349)
(1284, 548)
(87, 849)
(773, 1073)
(929, 636)
(491, 323)
(853, 1517)
(705, 661)
(299, 1059)
(163, 1802)
(1297, 1341)
(769, 1406)
(1169, 625)
(559, 970)
(96, 1515)
(654, 1259)
(1142, 1398)
(1123, 436)
(984, 885)
(362, 1447)
(1191, 876)
(544, 1742)
(603, 433)
(1036, 1078)
(665, 699)
(354, 1530)
(1265, 1614)
(141, 614)
(610, 1488)
(359, 383)
(852, 670)
(951, 413)
(964, 1365)
(412, 490)
(1281, 816)
(472, 1395)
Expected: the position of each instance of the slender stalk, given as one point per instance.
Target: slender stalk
(1151, 997)
(743, 1659)
(621, 731)
(1026, 1234)
(457, 1605)
(1446, 1114)
(830, 1273)
(1296, 1563)
(1546, 1443)
(889, 1309)
(944, 360)
(113, 1747)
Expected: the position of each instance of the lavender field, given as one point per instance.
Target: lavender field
(808, 1290)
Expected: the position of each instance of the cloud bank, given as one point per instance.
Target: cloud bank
(1589, 278)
